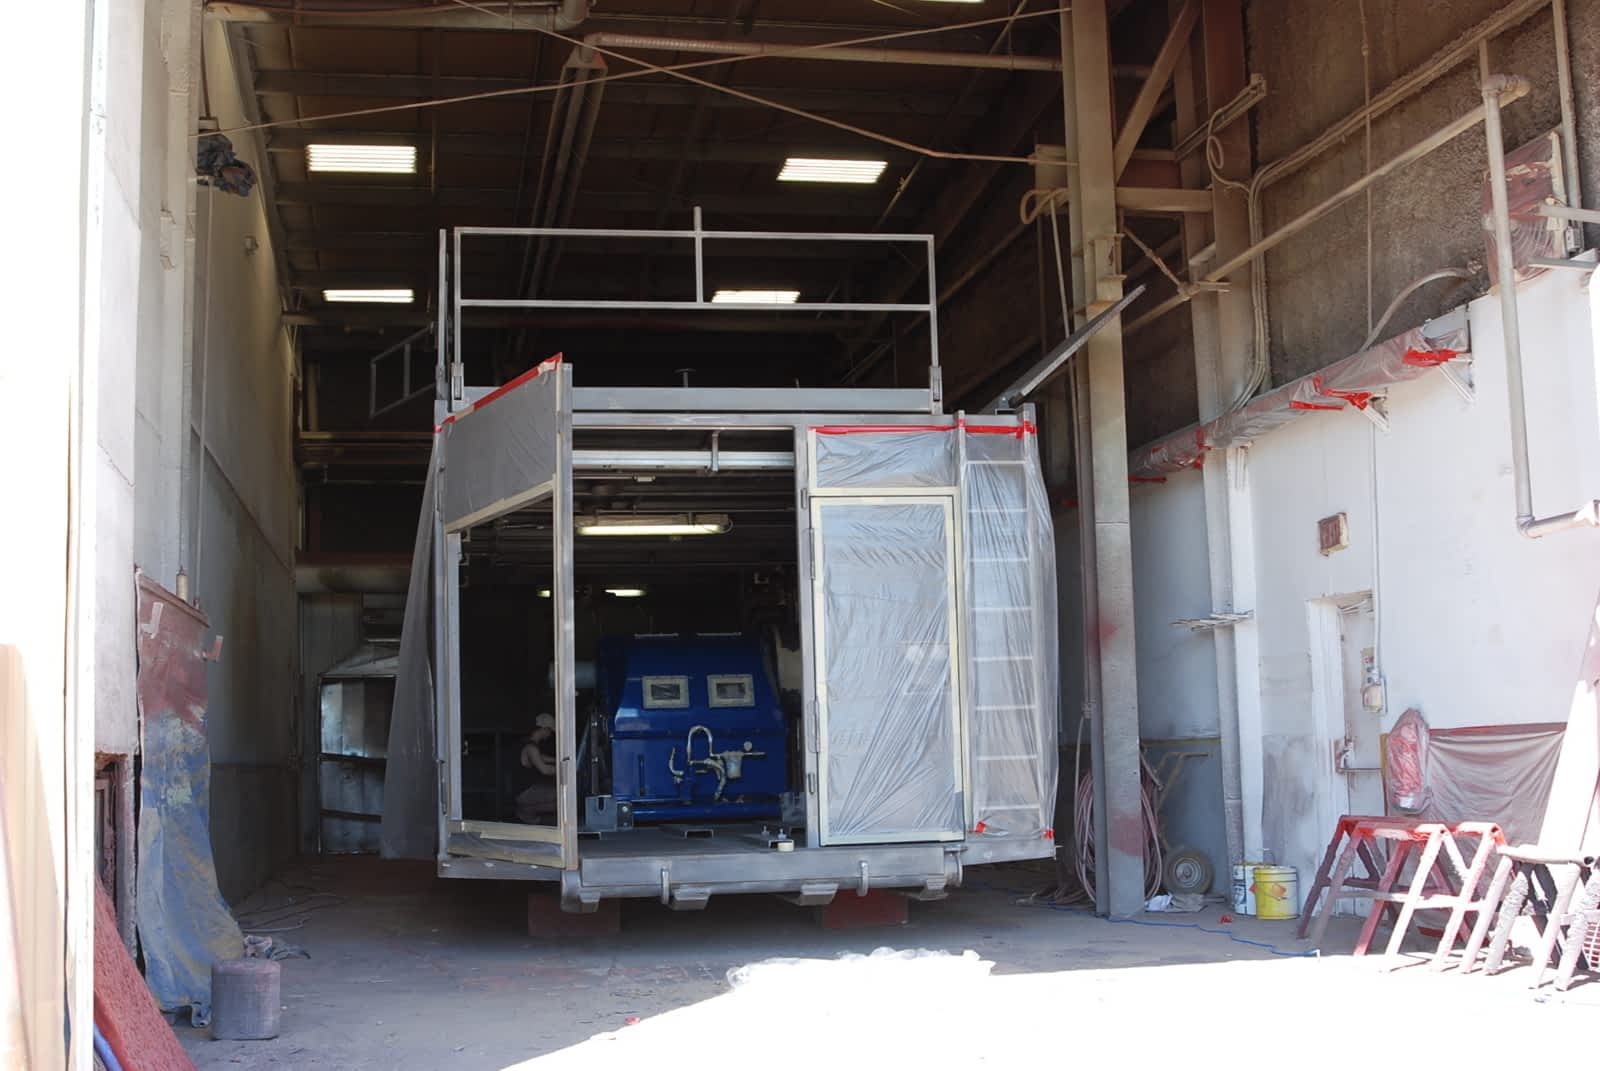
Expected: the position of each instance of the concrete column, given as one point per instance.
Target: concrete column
(1111, 644)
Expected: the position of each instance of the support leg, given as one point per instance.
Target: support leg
(1579, 930)
(1486, 914)
(1419, 885)
(1566, 879)
(1380, 907)
(1510, 911)
(1465, 901)
(1347, 859)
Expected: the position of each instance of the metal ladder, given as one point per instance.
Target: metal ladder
(1005, 685)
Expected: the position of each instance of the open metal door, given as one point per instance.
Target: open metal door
(506, 451)
(890, 761)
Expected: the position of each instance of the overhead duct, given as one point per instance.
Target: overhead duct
(839, 54)
(566, 15)
(1354, 381)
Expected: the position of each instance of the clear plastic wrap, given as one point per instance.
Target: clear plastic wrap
(913, 456)
(1011, 633)
(1353, 381)
(891, 755)
(894, 768)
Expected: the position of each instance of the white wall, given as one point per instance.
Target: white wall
(244, 543)
(1478, 624)
(1177, 666)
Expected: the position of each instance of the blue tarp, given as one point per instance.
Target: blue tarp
(184, 924)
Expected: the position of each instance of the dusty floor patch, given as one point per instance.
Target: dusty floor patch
(409, 971)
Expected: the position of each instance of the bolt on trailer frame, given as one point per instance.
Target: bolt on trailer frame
(867, 463)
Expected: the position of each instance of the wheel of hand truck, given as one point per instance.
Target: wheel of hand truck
(1187, 871)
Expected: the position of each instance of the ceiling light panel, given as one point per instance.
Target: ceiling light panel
(376, 159)
(814, 169)
(755, 297)
(643, 524)
(370, 297)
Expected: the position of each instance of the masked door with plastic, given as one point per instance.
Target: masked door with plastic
(511, 450)
(890, 764)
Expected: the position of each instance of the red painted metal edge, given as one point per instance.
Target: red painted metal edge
(505, 388)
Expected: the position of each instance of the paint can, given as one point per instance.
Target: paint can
(244, 999)
(1244, 888)
(1277, 892)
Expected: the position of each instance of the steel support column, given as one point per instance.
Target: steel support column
(1222, 341)
(1111, 644)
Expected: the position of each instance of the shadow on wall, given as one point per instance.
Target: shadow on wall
(31, 905)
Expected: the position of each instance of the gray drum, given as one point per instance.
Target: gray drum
(244, 999)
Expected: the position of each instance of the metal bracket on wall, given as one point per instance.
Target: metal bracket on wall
(1221, 619)
(1377, 411)
(1461, 381)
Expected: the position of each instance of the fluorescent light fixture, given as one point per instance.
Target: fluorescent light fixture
(370, 296)
(656, 524)
(544, 593)
(755, 297)
(815, 169)
(625, 593)
(376, 159)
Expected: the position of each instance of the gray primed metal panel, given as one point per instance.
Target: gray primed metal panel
(764, 870)
(566, 694)
(502, 453)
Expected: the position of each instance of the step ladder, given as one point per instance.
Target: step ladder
(1004, 688)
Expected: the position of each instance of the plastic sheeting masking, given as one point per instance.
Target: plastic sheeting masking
(1008, 597)
(889, 694)
(1009, 548)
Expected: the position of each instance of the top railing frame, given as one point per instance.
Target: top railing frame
(452, 299)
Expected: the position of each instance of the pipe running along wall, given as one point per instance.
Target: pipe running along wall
(1496, 91)
(843, 54)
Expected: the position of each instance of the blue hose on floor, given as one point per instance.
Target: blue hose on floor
(102, 1049)
(1229, 934)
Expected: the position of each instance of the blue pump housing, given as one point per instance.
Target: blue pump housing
(696, 727)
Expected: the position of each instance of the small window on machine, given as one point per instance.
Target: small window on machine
(666, 693)
(731, 690)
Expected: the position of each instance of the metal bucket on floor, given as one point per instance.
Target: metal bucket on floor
(245, 999)
(1277, 892)
(1244, 888)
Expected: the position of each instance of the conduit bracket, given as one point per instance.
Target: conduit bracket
(1220, 619)
(1461, 381)
(1377, 411)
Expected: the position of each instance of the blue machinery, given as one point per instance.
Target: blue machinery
(696, 730)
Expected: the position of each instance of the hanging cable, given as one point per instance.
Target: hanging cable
(675, 70)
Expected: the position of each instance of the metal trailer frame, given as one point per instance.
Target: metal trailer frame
(687, 875)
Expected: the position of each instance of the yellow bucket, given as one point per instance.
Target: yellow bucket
(1277, 892)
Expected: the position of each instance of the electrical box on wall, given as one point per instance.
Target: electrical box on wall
(1333, 533)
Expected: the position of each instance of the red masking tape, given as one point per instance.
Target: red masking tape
(1429, 358)
(505, 388)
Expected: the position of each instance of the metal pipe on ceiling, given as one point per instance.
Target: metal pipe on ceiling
(1512, 89)
(565, 15)
(1496, 91)
(839, 54)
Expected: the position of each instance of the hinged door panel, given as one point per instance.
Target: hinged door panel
(888, 687)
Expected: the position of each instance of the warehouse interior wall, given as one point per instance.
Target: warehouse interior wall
(243, 537)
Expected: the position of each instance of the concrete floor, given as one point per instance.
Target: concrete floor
(410, 971)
